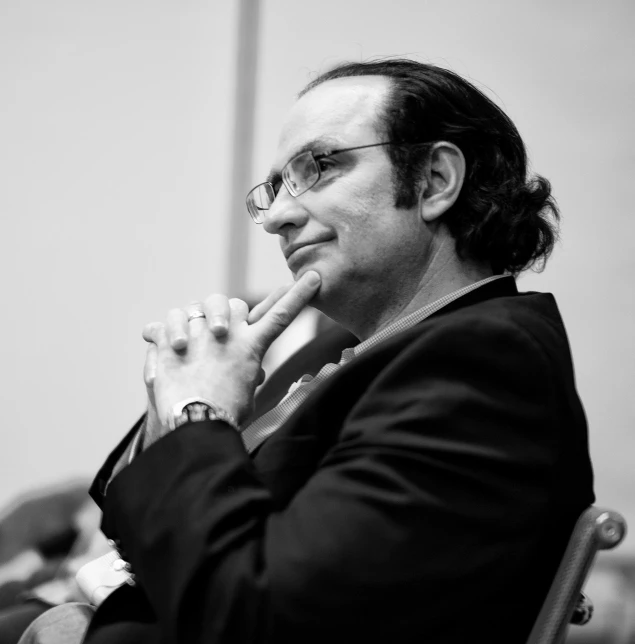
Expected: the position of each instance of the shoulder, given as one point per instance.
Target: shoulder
(517, 323)
(511, 347)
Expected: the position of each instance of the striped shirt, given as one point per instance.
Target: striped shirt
(258, 431)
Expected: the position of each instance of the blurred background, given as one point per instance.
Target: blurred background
(131, 131)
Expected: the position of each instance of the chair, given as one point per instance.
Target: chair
(596, 529)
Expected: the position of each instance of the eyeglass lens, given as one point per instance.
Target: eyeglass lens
(300, 174)
(259, 200)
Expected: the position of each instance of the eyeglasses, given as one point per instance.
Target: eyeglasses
(298, 176)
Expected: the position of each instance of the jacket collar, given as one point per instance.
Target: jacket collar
(505, 287)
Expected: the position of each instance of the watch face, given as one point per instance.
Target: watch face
(188, 411)
(197, 412)
(193, 410)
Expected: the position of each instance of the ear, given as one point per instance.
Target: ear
(445, 175)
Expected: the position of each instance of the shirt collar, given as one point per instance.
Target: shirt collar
(413, 318)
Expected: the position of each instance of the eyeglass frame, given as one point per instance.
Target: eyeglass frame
(315, 157)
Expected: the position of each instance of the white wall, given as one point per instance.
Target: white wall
(114, 139)
(114, 155)
(564, 73)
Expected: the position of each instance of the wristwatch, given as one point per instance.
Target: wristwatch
(193, 410)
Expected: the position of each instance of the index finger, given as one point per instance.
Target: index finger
(262, 307)
(286, 309)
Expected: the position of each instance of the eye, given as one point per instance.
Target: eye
(325, 164)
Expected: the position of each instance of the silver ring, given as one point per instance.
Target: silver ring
(194, 315)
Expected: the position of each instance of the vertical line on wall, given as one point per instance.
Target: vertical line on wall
(242, 145)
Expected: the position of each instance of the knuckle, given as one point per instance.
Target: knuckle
(217, 305)
(237, 303)
(151, 330)
(281, 317)
(178, 343)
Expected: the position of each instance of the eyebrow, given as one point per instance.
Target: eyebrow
(319, 146)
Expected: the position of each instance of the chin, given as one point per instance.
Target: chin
(298, 269)
(329, 298)
(299, 272)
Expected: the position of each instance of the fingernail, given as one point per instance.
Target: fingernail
(313, 278)
(219, 325)
(178, 344)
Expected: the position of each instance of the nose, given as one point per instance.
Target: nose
(284, 211)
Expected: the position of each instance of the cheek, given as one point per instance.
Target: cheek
(359, 211)
(358, 208)
(345, 227)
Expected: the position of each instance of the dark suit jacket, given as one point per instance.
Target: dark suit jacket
(424, 493)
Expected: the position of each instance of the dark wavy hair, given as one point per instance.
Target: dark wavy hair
(502, 216)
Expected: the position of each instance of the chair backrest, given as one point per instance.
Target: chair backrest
(596, 529)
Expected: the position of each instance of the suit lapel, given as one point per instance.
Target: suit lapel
(291, 455)
(325, 348)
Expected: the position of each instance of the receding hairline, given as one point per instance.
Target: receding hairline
(387, 84)
(314, 84)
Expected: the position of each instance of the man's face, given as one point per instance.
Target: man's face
(346, 227)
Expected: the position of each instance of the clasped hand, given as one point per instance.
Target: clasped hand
(218, 357)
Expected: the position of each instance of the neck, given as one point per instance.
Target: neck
(445, 274)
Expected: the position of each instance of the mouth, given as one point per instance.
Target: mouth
(292, 248)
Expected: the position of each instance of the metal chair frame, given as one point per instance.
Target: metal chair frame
(596, 529)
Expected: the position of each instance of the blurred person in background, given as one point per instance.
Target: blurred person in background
(429, 477)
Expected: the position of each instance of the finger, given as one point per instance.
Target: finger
(286, 309)
(218, 313)
(262, 307)
(195, 313)
(150, 366)
(239, 310)
(177, 329)
(153, 332)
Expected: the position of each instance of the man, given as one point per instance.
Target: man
(424, 488)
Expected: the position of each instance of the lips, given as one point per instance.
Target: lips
(291, 248)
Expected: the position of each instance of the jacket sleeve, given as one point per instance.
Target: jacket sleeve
(441, 470)
(327, 347)
(115, 462)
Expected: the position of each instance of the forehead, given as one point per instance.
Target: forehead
(341, 113)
